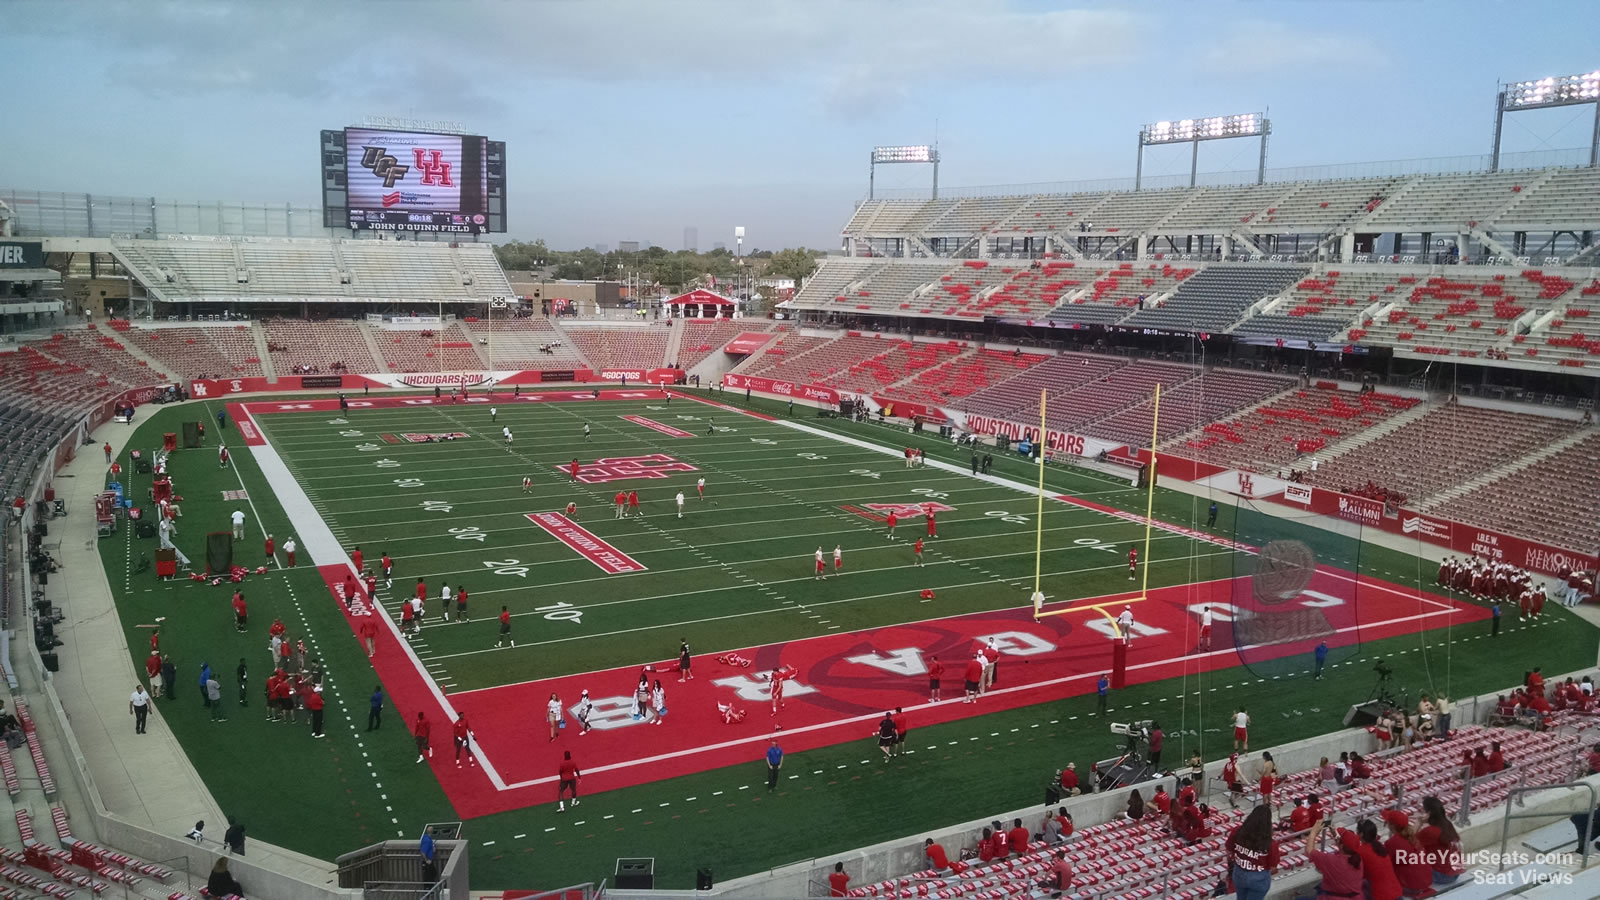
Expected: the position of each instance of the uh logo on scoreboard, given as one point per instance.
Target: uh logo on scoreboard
(430, 163)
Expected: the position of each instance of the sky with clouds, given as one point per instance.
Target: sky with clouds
(631, 119)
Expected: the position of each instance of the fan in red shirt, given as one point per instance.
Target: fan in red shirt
(573, 470)
(463, 736)
(1410, 868)
(974, 679)
(271, 546)
(368, 629)
(1161, 800)
(633, 502)
(422, 591)
(388, 569)
(1069, 780)
(356, 557)
(838, 881)
(622, 503)
(933, 527)
(1133, 562)
(935, 670)
(938, 860)
(155, 640)
(152, 669)
(1017, 838)
(567, 780)
(240, 611)
(420, 730)
(892, 521)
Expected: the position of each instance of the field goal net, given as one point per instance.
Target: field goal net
(1300, 587)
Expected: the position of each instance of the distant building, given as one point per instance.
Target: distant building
(691, 238)
(627, 246)
(602, 248)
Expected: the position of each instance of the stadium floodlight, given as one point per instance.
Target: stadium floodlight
(921, 153)
(1209, 128)
(1544, 93)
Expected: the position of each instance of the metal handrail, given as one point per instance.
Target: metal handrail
(1583, 842)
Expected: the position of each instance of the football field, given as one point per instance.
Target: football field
(593, 597)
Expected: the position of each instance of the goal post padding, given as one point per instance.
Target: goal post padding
(1299, 587)
(219, 552)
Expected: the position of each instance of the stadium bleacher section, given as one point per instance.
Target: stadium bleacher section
(1449, 203)
(1290, 425)
(1126, 859)
(297, 344)
(1445, 447)
(1063, 373)
(227, 351)
(224, 269)
(447, 350)
(1116, 292)
(1217, 296)
(622, 348)
(1553, 500)
(1216, 393)
(526, 342)
(964, 376)
(703, 337)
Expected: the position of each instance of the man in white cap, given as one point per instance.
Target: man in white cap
(1125, 624)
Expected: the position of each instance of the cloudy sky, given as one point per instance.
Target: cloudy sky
(631, 120)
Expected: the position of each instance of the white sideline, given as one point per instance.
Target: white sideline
(318, 542)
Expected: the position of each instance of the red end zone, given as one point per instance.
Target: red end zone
(845, 682)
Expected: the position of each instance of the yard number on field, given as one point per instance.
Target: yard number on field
(767, 441)
(810, 456)
(864, 473)
(1004, 516)
(388, 464)
(436, 506)
(931, 494)
(561, 612)
(368, 447)
(507, 567)
(469, 533)
(408, 482)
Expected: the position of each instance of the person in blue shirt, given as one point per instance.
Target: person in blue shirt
(1103, 688)
(1494, 630)
(430, 866)
(1321, 657)
(205, 676)
(774, 763)
(222, 419)
(1211, 517)
(375, 714)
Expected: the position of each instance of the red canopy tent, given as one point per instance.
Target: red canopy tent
(701, 304)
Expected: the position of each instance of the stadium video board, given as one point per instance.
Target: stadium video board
(417, 181)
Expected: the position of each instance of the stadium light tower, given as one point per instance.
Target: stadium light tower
(1566, 90)
(922, 153)
(1193, 131)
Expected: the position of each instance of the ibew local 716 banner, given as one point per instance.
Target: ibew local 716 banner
(400, 170)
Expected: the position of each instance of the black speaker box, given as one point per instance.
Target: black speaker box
(52, 662)
(635, 874)
(703, 880)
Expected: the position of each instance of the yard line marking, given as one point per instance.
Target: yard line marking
(518, 837)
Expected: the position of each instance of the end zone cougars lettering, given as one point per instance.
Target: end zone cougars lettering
(623, 468)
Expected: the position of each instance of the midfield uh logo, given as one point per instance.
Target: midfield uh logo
(1247, 484)
(384, 165)
(624, 468)
(435, 171)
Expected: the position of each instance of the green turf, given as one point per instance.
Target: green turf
(773, 507)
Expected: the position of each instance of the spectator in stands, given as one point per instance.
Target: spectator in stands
(234, 837)
(986, 845)
(1440, 842)
(935, 855)
(1410, 868)
(222, 883)
(999, 841)
(1376, 862)
(1340, 869)
(1253, 856)
(838, 881)
(1018, 838)
(1135, 806)
(1069, 780)
(1161, 800)
(1060, 877)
